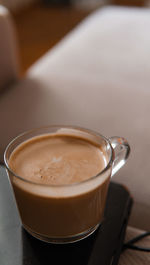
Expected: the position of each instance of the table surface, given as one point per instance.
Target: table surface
(17, 247)
(135, 257)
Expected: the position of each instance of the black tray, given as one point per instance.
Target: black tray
(103, 247)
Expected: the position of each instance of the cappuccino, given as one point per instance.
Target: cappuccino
(53, 190)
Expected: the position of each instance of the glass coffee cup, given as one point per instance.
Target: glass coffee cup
(58, 212)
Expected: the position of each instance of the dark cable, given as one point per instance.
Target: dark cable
(127, 246)
(130, 243)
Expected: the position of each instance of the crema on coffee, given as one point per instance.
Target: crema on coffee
(57, 160)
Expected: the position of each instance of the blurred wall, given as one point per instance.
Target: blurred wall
(16, 4)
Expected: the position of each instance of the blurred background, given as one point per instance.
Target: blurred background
(40, 24)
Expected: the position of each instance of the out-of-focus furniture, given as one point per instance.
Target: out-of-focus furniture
(97, 77)
(9, 65)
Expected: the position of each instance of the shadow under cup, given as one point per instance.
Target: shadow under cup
(66, 213)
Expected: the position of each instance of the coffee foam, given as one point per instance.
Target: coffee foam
(61, 191)
(58, 164)
(57, 159)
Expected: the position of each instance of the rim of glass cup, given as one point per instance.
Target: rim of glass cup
(64, 127)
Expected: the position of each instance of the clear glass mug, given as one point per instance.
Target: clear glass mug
(78, 210)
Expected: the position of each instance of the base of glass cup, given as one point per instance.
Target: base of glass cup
(62, 240)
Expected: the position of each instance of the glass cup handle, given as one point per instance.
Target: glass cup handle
(121, 150)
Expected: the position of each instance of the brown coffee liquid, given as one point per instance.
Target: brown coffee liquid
(52, 161)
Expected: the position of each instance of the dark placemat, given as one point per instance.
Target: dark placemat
(103, 247)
